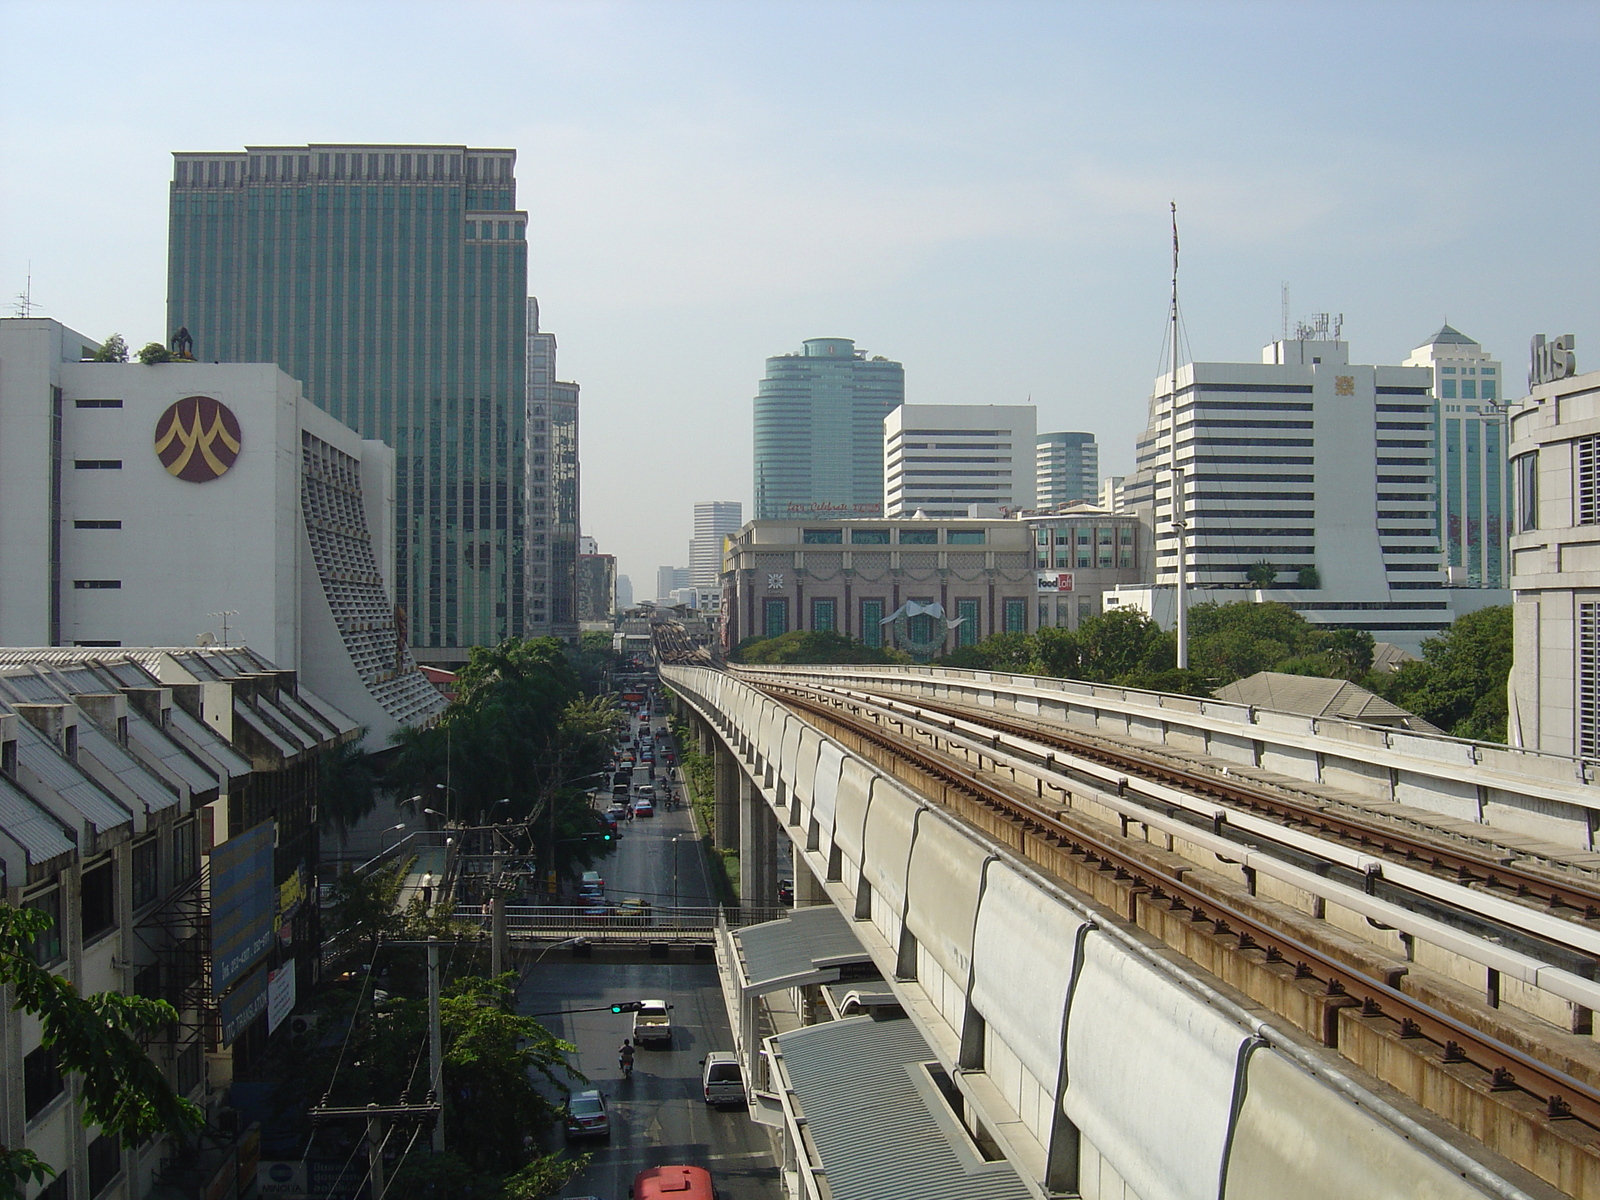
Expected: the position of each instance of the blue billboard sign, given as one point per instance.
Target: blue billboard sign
(243, 903)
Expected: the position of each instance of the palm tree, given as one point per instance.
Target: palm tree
(347, 785)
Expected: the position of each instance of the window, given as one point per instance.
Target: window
(105, 1163)
(967, 631)
(1447, 389)
(869, 537)
(871, 615)
(61, 1189)
(774, 617)
(98, 893)
(822, 537)
(1486, 389)
(1044, 537)
(97, 584)
(41, 1081)
(185, 851)
(146, 871)
(823, 615)
(919, 537)
(1469, 389)
(1588, 705)
(964, 537)
(1016, 615)
(97, 524)
(98, 403)
(1447, 370)
(1585, 511)
(97, 464)
(47, 946)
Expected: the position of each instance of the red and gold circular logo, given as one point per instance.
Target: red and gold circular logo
(198, 439)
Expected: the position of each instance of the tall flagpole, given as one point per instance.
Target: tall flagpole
(1179, 516)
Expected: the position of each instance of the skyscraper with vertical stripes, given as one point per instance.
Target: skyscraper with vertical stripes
(392, 281)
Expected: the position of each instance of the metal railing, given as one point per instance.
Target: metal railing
(543, 921)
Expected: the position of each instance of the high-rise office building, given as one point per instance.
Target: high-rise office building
(957, 460)
(669, 580)
(392, 281)
(1067, 468)
(552, 491)
(1113, 493)
(1469, 428)
(1311, 466)
(819, 431)
(713, 521)
(624, 592)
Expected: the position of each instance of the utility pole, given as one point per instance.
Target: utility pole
(1179, 518)
(375, 1148)
(435, 1045)
(497, 917)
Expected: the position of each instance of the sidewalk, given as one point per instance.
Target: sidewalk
(425, 879)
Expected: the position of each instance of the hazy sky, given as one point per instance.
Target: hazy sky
(978, 190)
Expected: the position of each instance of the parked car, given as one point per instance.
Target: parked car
(587, 1116)
(721, 1079)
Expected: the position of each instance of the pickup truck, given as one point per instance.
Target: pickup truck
(652, 1022)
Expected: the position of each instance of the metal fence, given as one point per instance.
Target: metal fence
(544, 921)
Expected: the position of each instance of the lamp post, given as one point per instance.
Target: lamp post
(383, 836)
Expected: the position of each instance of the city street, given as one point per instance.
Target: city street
(658, 1116)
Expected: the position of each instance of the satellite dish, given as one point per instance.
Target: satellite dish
(206, 639)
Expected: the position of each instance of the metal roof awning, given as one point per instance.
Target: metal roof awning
(875, 1118)
(32, 828)
(807, 946)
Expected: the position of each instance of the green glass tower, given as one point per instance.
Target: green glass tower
(392, 281)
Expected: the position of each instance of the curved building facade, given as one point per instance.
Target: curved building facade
(819, 431)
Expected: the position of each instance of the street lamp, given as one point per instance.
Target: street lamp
(382, 849)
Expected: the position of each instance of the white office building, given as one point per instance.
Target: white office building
(1113, 493)
(958, 460)
(1471, 426)
(1555, 565)
(714, 522)
(1066, 469)
(1309, 469)
(194, 503)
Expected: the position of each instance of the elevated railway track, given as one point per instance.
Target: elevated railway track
(1360, 928)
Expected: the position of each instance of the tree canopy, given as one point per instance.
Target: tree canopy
(1460, 683)
(813, 646)
(114, 349)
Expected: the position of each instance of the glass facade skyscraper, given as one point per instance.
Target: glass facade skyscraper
(819, 431)
(1067, 468)
(552, 504)
(392, 281)
(1470, 426)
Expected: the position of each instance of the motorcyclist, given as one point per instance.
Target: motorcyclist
(625, 1056)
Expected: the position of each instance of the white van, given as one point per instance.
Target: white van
(722, 1080)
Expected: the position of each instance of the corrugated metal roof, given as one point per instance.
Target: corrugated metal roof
(780, 950)
(207, 741)
(242, 713)
(31, 827)
(330, 715)
(1314, 696)
(151, 790)
(170, 754)
(876, 1133)
(28, 687)
(61, 776)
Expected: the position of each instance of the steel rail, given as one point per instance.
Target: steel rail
(1466, 867)
(1508, 1068)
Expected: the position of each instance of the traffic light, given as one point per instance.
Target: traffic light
(627, 1006)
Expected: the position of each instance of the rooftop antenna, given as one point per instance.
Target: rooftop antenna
(24, 305)
(225, 614)
(1178, 516)
(1285, 290)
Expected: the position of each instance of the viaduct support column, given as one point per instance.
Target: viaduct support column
(807, 890)
(758, 853)
(725, 825)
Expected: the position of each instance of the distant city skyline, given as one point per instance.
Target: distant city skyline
(988, 205)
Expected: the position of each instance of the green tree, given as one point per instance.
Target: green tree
(594, 661)
(155, 352)
(1261, 574)
(93, 1037)
(1120, 642)
(1057, 653)
(812, 646)
(347, 786)
(114, 349)
(997, 652)
(1460, 683)
(1308, 578)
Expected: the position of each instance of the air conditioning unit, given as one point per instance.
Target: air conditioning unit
(303, 1028)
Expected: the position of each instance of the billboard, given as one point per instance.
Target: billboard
(243, 903)
(244, 1004)
(1055, 581)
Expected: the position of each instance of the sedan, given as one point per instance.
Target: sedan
(587, 1116)
(643, 807)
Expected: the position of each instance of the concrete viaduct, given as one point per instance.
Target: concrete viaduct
(1103, 1063)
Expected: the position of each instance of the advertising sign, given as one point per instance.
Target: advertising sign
(243, 903)
(243, 1005)
(1055, 581)
(284, 1180)
(280, 996)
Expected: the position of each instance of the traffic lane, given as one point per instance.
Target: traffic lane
(659, 1115)
(658, 859)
